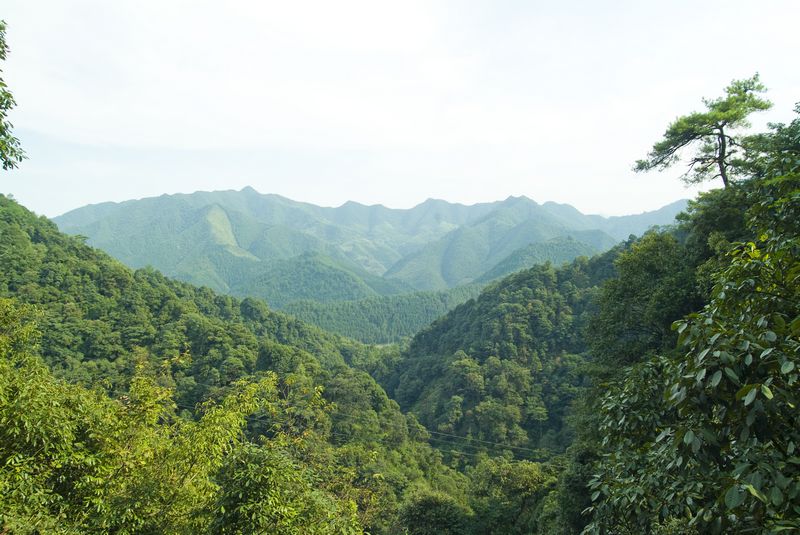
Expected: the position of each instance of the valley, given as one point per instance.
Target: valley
(310, 260)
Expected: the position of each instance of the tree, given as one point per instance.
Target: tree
(434, 513)
(654, 287)
(716, 154)
(711, 436)
(10, 151)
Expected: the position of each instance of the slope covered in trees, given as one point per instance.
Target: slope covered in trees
(514, 356)
(503, 368)
(239, 241)
(362, 264)
(76, 461)
(382, 320)
(102, 324)
(712, 446)
(677, 351)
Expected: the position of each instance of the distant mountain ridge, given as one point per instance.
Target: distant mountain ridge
(248, 243)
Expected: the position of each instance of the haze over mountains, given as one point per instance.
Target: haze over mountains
(248, 243)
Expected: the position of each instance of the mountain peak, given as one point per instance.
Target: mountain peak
(353, 203)
(519, 199)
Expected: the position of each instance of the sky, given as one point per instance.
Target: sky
(377, 102)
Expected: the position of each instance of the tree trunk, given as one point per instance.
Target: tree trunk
(721, 154)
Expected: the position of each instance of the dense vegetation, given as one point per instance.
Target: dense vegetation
(504, 367)
(354, 270)
(703, 438)
(249, 244)
(649, 390)
(11, 154)
(210, 395)
(102, 324)
(382, 320)
(671, 425)
(146, 371)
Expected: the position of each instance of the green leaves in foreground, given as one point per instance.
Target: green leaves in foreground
(75, 461)
(712, 437)
(11, 154)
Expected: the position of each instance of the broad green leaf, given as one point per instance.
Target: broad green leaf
(748, 399)
(776, 496)
(734, 497)
(700, 375)
(756, 493)
(716, 378)
(731, 375)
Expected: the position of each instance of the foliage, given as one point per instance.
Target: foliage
(385, 319)
(718, 154)
(506, 495)
(655, 285)
(498, 373)
(266, 490)
(719, 446)
(11, 154)
(641, 484)
(434, 513)
(776, 152)
(102, 325)
(77, 461)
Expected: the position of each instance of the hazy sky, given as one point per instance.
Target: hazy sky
(377, 102)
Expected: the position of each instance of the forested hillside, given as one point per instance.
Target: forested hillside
(356, 270)
(382, 320)
(247, 243)
(671, 359)
(503, 368)
(701, 438)
(210, 395)
(170, 353)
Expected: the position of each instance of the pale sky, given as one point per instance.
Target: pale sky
(377, 102)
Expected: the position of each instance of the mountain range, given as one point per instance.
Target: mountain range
(248, 243)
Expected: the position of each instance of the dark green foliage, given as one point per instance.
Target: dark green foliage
(776, 152)
(11, 154)
(103, 325)
(502, 369)
(671, 449)
(506, 496)
(719, 154)
(710, 435)
(655, 285)
(434, 513)
(382, 320)
(716, 218)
